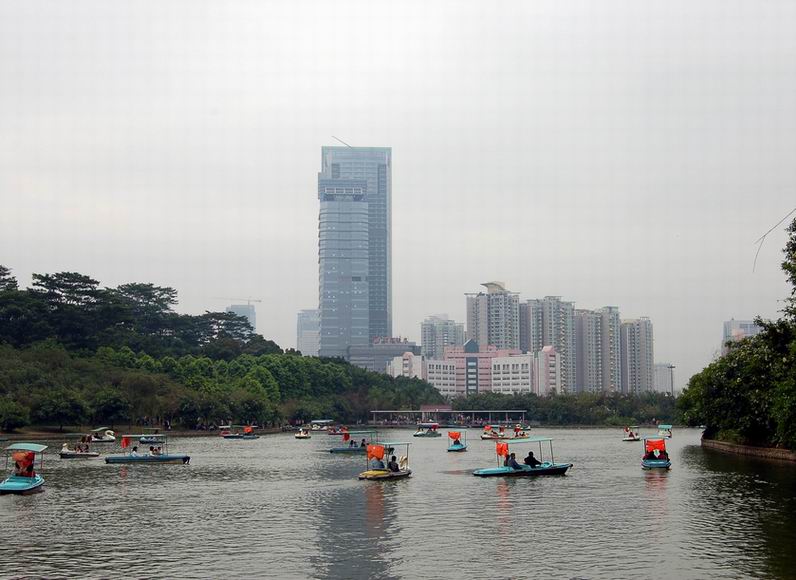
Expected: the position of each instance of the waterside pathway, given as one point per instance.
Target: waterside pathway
(278, 507)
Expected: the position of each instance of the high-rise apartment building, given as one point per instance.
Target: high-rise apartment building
(735, 330)
(308, 330)
(547, 371)
(636, 345)
(664, 378)
(437, 332)
(245, 310)
(551, 322)
(610, 343)
(354, 247)
(588, 346)
(493, 317)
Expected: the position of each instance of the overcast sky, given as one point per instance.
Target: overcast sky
(612, 152)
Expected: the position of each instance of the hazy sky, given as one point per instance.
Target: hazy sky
(612, 152)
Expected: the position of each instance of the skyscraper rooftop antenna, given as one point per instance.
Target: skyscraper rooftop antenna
(341, 141)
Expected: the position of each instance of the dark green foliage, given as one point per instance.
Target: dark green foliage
(12, 415)
(749, 394)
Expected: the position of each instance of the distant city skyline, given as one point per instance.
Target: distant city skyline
(642, 182)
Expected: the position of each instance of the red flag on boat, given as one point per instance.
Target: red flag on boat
(248, 429)
(488, 428)
(346, 436)
(502, 449)
(375, 452)
(454, 434)
(516, 428)
(654, 445)
(125, 442)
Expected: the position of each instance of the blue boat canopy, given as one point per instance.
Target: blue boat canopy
(654, 438)
(391, 443)
(664, 426)
(34, 447)
(322, 421)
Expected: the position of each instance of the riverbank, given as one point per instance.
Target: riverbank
(748, 450)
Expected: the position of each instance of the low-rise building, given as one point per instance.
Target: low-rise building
(512, 375)
(408, 365)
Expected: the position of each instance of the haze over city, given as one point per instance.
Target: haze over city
(599, 152)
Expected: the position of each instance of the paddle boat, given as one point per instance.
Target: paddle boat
(427, 430)
(351, 445)
(247, 433)
(134, 456)
(665, 431)
(321, 424)
(77, 453)
(303, 434)
(103, 435)
(381, 472)
(655, 454)
(24, 480)
(631, 433)
(523, 470)
(499, 433)
(457, 445)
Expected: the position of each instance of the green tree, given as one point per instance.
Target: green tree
(109, 406)
(12, 415)
(59, 406)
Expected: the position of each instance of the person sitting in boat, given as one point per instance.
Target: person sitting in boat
(512, 462)
(392, 465)
(152, 451)
(531, 461)
(363, 444)
(377, 464)
(663, 455)
(134, 452)
(65, 448)
(650, 455)
(457, 442)
(352, 443)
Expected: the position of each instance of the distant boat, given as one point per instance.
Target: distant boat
(66, 453)
(24, 480)
(544, 468)
(631, 434)
(351, 446)
(665, 431)
(303, 434)
(427, 430)
(102, 435)
(457, 446)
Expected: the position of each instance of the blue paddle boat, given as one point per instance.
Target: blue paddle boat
(24, 480)
(665, 431)
(380, 470)
(153, 438)
(136, 456)
(457, 444)
(357, 448)
(655, 454)
(534, 468)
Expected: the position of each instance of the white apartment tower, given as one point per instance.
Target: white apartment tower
(493, 318)
(636, 345)
(588, 346)
(551, 322)
(437, 332)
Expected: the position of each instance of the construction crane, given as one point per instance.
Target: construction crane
(247, 300)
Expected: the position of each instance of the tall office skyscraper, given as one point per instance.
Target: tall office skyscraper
(245, 310)
(637, 356)
(308, 329)
(437, 332)
(354, 247)
(493, 318)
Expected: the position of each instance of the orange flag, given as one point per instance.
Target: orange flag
(502, 449)
(488, 428)
(346, 436)
(375, 452)
(655, 444)
(454, 434)
(248, 429)
(125, 442)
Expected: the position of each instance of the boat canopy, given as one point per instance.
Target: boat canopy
(428, 424)
(32, 447)
(100, 429)
(391, 443)
(665, 427)
(322, 421)
(356, 433)
(531, 439)
(654, 444)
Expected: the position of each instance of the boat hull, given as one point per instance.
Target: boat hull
(384, 474)
(428, 434)
(457, 448)
(153, 440)
(525, 471)
(502, 438)
(103, 440)
(351, 450)
(21, 485)
(76, 455)
(149, 459)
(302, 436)
(655, 464)
(631, 439)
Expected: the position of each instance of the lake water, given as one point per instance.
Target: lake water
(278, 507)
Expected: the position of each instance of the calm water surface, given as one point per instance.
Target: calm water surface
(278, 507)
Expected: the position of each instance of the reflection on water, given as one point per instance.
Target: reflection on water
(276, 507)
